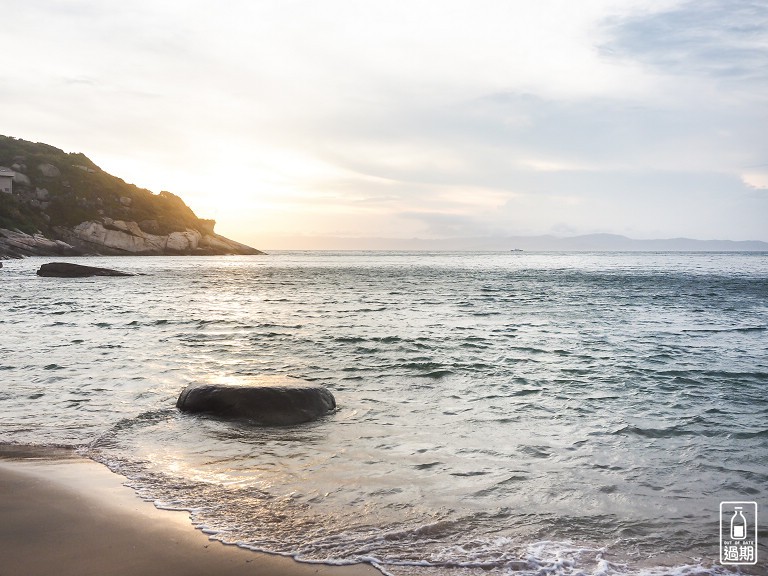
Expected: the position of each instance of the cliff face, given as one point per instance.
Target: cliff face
(63, 204)
(119, 237)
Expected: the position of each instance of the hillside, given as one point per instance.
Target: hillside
(66, 199)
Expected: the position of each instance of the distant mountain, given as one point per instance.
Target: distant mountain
(52, 202)
(587, 243)
(614, 242)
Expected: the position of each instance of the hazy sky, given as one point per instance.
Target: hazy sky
(418, 118)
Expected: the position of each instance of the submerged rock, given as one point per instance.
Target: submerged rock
(67, 270)
(265, 400)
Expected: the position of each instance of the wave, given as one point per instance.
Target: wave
(527, 391)
(717, 330)
(437, 374)
(668, 432)
(446, 414)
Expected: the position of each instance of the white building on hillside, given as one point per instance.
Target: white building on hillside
(6, 180)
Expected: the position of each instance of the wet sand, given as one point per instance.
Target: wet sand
(65, 515)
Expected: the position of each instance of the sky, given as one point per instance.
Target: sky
(289, 121)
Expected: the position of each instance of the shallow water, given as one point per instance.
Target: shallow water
(500, 413)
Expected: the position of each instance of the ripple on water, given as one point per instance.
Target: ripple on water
(500, 412)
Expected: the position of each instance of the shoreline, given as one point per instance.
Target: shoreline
(65, 514)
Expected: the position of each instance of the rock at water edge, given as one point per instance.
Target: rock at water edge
(265, 400)
(67, 270)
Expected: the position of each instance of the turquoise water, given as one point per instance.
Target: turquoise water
(500, 413)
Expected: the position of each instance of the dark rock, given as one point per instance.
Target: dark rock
(150, 226)
(265, 400)
(67, 270)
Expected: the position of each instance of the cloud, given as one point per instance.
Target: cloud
(756, 178)
(727, 40)
(443, 225)
(504, 140)
(426, 117)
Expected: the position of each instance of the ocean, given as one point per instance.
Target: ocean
(499, 413)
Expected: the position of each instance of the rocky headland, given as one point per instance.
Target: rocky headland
(57, 204)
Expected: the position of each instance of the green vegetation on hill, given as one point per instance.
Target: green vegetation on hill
(61, 189)
(15, 215)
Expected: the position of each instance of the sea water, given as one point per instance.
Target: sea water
(499, 413)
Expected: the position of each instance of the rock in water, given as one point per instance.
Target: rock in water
(265, 400)
(67, 270)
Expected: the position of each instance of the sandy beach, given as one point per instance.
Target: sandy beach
(66, 515)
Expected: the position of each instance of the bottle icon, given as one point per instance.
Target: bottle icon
(738, 525)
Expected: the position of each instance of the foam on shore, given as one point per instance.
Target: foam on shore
(67, 515)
